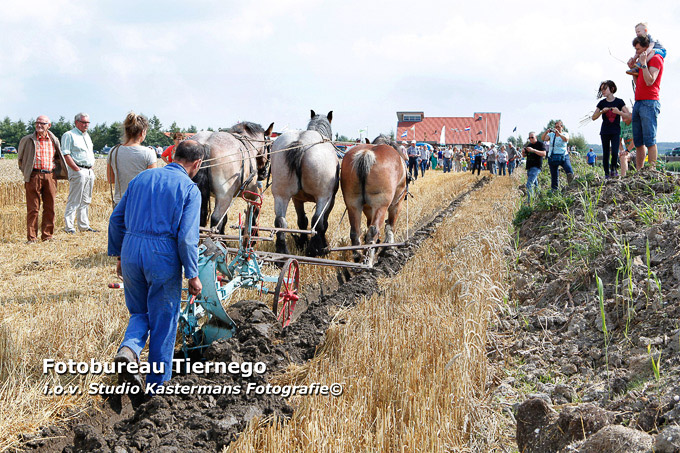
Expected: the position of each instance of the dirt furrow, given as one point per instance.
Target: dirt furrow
(208, 422)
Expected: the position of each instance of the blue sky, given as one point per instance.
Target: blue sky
(212, 63)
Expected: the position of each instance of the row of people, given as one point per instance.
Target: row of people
(43, 159)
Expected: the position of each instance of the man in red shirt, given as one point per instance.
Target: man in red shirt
(41, 162)
(647, 107)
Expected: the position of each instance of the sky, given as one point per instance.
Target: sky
(213, 63)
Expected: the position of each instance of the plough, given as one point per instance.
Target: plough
(203, 319)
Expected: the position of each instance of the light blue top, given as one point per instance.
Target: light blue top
(79, 146)
(557, 145)
(160, 205)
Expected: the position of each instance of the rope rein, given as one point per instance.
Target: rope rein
(264, 146)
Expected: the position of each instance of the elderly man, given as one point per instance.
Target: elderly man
(42, 163)
(647, 107)
(76, 145)
(153, 245)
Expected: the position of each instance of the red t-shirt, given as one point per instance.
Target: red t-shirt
(644, 92)
(168, 153)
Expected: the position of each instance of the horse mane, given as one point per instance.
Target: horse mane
(246, 128)
(383, 139)
(321, 124)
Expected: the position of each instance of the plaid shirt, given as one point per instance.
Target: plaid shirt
(44, 154)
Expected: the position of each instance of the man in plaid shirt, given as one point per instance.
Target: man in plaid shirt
(42, 163)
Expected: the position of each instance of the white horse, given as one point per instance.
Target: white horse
(235, 160)
(306, 170)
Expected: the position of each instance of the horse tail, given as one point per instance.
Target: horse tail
(293, 155)
(362, 162)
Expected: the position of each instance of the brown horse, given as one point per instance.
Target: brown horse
(373, 181)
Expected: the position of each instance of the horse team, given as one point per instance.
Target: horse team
(304, 167)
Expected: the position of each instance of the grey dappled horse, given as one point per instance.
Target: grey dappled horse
(237, 158)
(307, 171)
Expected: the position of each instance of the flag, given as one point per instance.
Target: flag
(362, 130)
(404, 134)
(515, 129)
(442, 137)
(413, 128)
(467, 128)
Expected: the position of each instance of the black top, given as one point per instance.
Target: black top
(533, 159)
(611, 122)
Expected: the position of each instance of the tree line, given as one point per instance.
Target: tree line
(102, 134)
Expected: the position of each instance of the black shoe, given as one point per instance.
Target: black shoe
(70, 231)
(91, 230)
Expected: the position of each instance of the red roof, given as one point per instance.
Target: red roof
(430, 128)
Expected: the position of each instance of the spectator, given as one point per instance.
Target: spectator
(626, 146)
(170, 150)
(402, 151)
(131, 158)
(459, 159)
(76, 145)
(611, 109)
(423, 159)
(433, 160)
(42, 163)
(477, 159)
(592, 158)
(413, 155)
(656, 46)
(646, 108)
(558, 156)
(502, 159)
(534, 151)
(447, 155)
(513, 156)
(491, 159)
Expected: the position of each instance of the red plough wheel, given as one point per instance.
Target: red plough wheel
(286, 293)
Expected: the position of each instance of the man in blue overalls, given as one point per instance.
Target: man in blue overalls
(154, 232)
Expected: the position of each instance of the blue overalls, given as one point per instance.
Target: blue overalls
(154, 229)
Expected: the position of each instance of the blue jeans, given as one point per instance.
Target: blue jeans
(447, 164)
(532, 180)
(423, 167)
(645, 114)
(555, 162)
(413, 166)
(511, 167)
(501, 168)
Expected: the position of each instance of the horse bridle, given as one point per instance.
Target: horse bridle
(264, 172)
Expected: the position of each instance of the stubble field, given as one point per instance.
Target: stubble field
(413, 356)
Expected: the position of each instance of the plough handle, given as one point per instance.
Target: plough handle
(253, 202)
